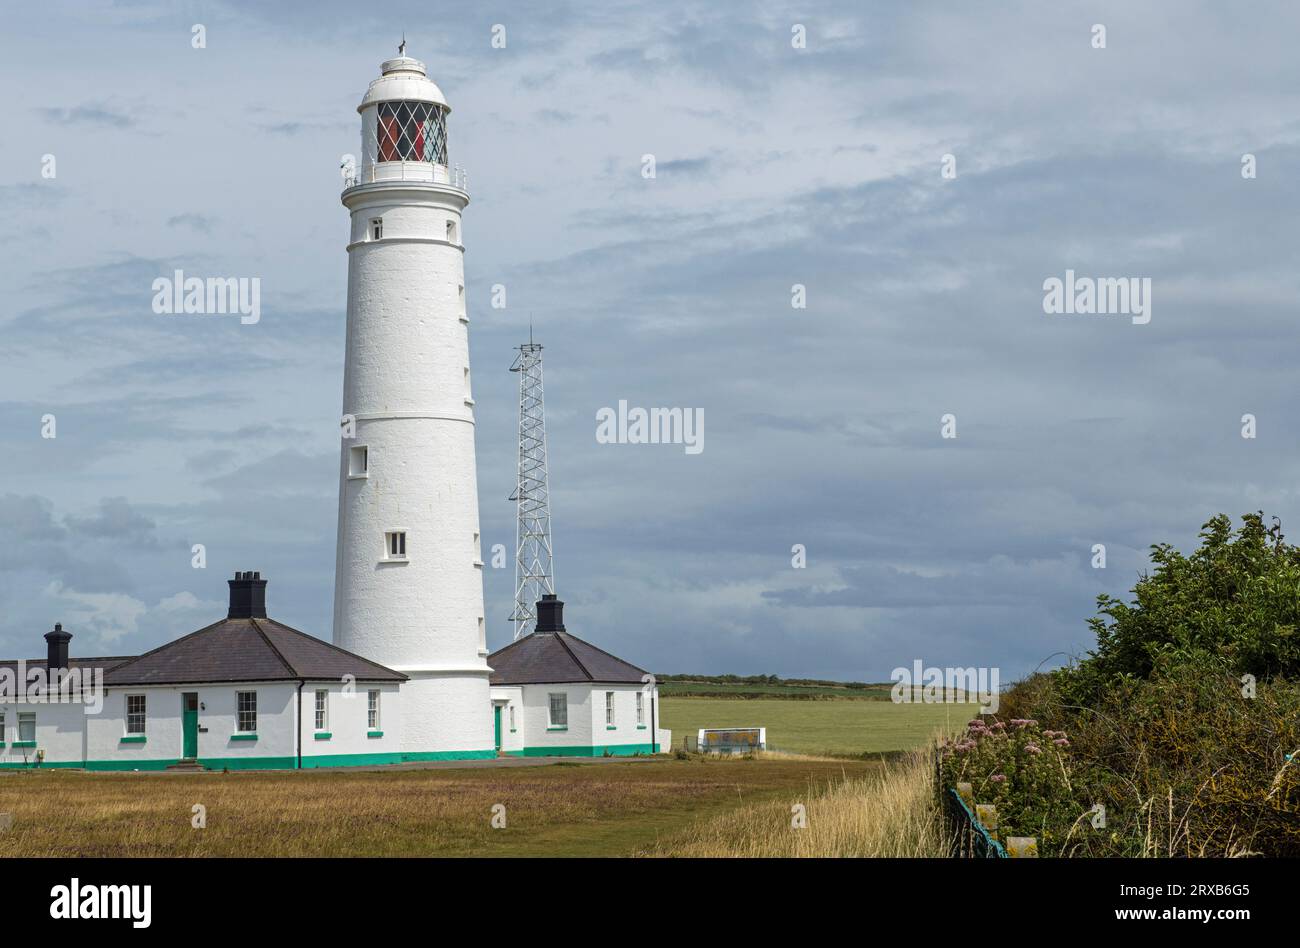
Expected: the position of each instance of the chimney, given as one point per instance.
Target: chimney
(550, 614)
(56, 648)
(247, 596)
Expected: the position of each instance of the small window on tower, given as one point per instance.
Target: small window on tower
(451, 232)
(395, 545)
(377, 228)
(359, 461)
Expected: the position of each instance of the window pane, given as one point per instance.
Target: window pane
(411, 131)
(246, 702)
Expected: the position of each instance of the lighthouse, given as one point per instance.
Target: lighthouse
(408, 575)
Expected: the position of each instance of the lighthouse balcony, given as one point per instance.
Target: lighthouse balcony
(423, 172)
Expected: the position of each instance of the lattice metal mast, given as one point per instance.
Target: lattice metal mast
(534, 567)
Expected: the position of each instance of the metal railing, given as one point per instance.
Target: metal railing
(458, 177)
(967, 836)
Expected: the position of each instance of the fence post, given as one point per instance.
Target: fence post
(1022, 847)
(967, 793)
(987, 814)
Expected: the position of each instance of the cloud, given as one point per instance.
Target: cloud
(106, 617)
(116, 519)
(200, 223)
(88, 114)
(818, 167)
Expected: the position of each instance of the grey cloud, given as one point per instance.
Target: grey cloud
(201, 223)
(116, 519)
(89, 114)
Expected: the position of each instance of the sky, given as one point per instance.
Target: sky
(777, 164)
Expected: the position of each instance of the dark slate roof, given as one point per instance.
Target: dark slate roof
(246, 650)
(555, 658)
(106, 662)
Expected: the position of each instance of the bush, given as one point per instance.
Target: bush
(1235, 601)
(1184, 762)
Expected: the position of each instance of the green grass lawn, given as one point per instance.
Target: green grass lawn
(817, 727)
(615, 808)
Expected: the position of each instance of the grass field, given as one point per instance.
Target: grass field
(888, 812)
(566, 809)
(845, 727)
(782, 690)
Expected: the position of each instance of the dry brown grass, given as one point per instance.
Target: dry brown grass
(890, 812)
(574, 809)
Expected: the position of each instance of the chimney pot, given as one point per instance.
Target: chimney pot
(550, 614)
(56, 648)
(247, 596)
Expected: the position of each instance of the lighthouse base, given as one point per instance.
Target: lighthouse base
(446, 716)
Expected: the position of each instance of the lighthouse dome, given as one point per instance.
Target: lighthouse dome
(403, 79)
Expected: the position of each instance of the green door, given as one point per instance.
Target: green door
(496, 723)
(190, 723)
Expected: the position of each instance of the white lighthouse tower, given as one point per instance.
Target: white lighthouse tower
(408, 587)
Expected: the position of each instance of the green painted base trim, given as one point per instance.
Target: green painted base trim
(374, 733)
(133, 739)
(243, 737)
(323, 735)
(396, 757)
(565, 728)
(614, 750)
(640, 727)
(611, 727)
(212, 763)
(24, 743)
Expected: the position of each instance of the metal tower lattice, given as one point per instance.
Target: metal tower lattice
(534, 568)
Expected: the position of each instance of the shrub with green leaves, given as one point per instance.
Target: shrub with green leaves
(1183, 722)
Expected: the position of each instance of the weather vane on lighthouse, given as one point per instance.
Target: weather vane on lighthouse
(401, 47)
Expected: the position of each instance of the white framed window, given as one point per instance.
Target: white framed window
(512, 716)
(395, 545)
(557, 709)
(322, 709)
(469, 399)
(640, 708)
(372, 710)
(609, 708)
(376, 228)
(135, 705)
(27, 725)
(2, 727)
(460, 300)
(451, 232)
(359, 461)
(246, 711)
(482, 635)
